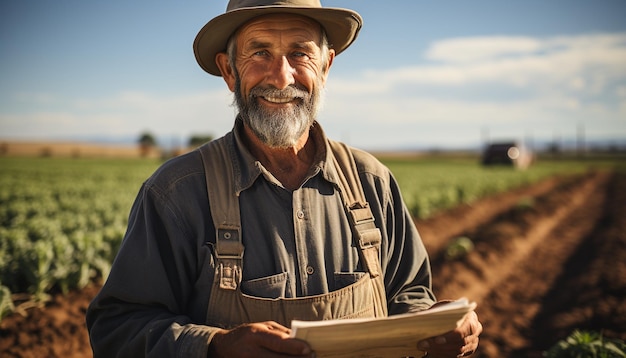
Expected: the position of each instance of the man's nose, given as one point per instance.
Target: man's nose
(281, 73)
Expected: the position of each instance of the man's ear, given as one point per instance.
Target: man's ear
(223, 63)
(331, 57)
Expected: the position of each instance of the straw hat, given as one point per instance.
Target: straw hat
(341, 25)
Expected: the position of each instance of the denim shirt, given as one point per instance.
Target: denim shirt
(154, 302)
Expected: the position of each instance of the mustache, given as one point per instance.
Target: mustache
(292, 91)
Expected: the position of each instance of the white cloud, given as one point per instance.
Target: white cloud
(513, 85)
(514, 61)
(473, 49)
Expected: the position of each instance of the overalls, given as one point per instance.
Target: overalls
(228, 306)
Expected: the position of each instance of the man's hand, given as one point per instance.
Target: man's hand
(258, 340)
(461, 342)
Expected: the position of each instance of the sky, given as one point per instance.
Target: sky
(422, 74)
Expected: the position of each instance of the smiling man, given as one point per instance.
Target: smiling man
(281, 68)
(272, 222)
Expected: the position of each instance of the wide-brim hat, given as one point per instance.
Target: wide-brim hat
(341, 25)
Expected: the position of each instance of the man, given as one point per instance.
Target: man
(272, 188)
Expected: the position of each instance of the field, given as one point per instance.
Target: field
(549, 245)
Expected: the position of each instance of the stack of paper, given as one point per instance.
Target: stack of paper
(389, 337)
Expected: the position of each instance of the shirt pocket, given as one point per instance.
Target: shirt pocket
(345, 279)
(274, 286)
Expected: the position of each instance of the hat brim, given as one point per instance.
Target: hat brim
(341, 25)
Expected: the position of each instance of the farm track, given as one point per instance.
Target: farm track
(538, 271)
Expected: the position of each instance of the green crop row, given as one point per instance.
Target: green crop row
(431, 185)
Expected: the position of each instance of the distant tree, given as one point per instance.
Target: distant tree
(146, 143)
(198, 140)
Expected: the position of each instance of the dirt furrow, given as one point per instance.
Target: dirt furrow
(510, 327)
(589, 293)
(437, 231)
(502, 245)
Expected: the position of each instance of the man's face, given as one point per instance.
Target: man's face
(278, 77)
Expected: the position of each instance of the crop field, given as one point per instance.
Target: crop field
(430, 185)
(547, 253)
(62, 221)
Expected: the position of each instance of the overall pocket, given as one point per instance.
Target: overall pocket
(274, 286)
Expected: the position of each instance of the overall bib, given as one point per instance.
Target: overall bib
(229, 307)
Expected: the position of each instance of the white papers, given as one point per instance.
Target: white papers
(389, 337)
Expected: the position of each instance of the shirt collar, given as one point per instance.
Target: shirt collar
(247, 168)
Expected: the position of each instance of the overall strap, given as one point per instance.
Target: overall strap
(224, 204)
(357, 209)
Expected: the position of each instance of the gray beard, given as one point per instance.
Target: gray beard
(278, 128)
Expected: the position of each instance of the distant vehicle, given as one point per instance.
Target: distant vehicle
(507, 153)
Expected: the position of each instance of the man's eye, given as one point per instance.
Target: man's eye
(260, 53)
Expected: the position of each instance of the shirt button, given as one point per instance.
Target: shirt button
(300, 214)
(310, 270)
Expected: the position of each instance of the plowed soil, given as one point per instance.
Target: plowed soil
(547, 259)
